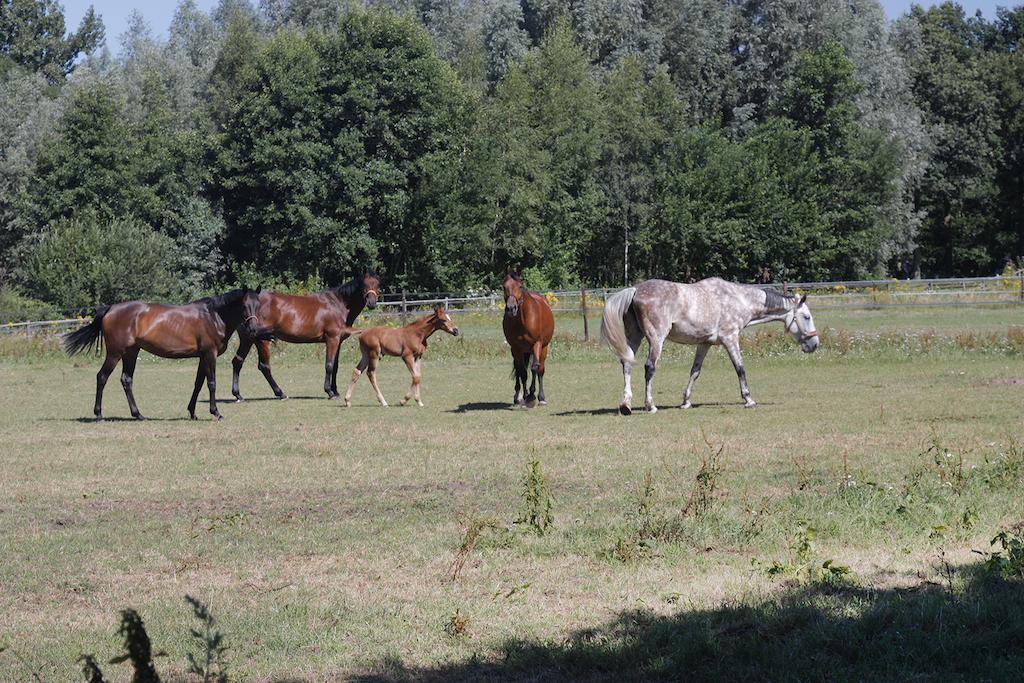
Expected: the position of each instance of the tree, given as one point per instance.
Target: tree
(84, 262)
(533, 164)
(32, 35)
(958, 192)
(328, 159)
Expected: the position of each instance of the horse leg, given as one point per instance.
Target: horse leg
(332, 359)
(732, 347)
(109, 363)
(371, 374)
(200, 376)
(516, 397)
(533, 360)
(360, 366)
(649, 367)
(419, 380)
(334, 372)
(540, 376)
(263, 349)
(244, 345)
(698, 360)
(633, 337)
(210, 360)
(414, 370)
(127, 375)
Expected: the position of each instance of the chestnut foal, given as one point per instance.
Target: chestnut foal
(409, 342)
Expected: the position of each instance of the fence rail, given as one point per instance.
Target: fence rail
(845, 294)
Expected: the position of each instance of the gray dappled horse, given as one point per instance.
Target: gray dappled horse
(708, 312)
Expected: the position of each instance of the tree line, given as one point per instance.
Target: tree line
(441, 141)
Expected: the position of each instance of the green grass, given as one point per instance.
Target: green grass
(322, 537)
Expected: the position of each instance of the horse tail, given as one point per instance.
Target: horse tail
(613, 326)
(89, 335)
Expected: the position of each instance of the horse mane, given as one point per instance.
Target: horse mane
(773, 301)
(219, 301)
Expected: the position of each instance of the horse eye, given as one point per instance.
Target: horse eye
(807, 317)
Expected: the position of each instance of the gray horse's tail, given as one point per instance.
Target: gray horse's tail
(613, 325)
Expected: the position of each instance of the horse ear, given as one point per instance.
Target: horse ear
(803, 300)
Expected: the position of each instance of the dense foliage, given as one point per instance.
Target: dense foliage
(593, 142)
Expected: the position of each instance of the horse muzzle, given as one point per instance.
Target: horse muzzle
(810, 343)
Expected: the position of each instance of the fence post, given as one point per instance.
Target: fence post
(1021, 273)
(446, 303)
(583, 306)
(405, 308)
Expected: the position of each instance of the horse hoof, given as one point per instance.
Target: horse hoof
(239, 399)
(192, 416)
(283, 397)
(333, 397)
(625, 410)
(651, 409)
(100, 418)
(219, 417)
(419, 404)
(542, 402)
(750, 404)
(139, 417)
(686, 405)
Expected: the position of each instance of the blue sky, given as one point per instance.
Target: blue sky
(158, 13)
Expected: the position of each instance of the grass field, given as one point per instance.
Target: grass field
(708, 544)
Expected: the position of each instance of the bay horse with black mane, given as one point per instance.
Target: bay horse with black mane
(325, 317)
(409, 343)
(199, 329)
(712, 311)
(529, 326)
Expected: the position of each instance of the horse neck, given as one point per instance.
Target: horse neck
(353, 301)
(764, 313)
(422, 328)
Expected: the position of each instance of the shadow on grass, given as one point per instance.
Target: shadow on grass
(675, 407)
(807, 634)
(476, 407)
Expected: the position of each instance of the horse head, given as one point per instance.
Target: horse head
(443, 321)
(800, 325)
(512, 286)
(371, 288)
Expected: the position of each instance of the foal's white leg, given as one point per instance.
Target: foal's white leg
(732, 347)
(649, 368)
(698, 360)
(363, 362)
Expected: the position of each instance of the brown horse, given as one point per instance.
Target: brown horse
(529, 326)
(409, 342)
(199, 329)
(325, 317)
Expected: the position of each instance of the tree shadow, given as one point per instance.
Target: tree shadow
(480, 406)
(926, 633)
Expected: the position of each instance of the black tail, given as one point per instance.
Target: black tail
(90, 335)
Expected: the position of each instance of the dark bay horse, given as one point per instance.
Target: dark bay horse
(409, 343)
(325, 317)
(199, 329)
(529, 326)
(708, 312)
